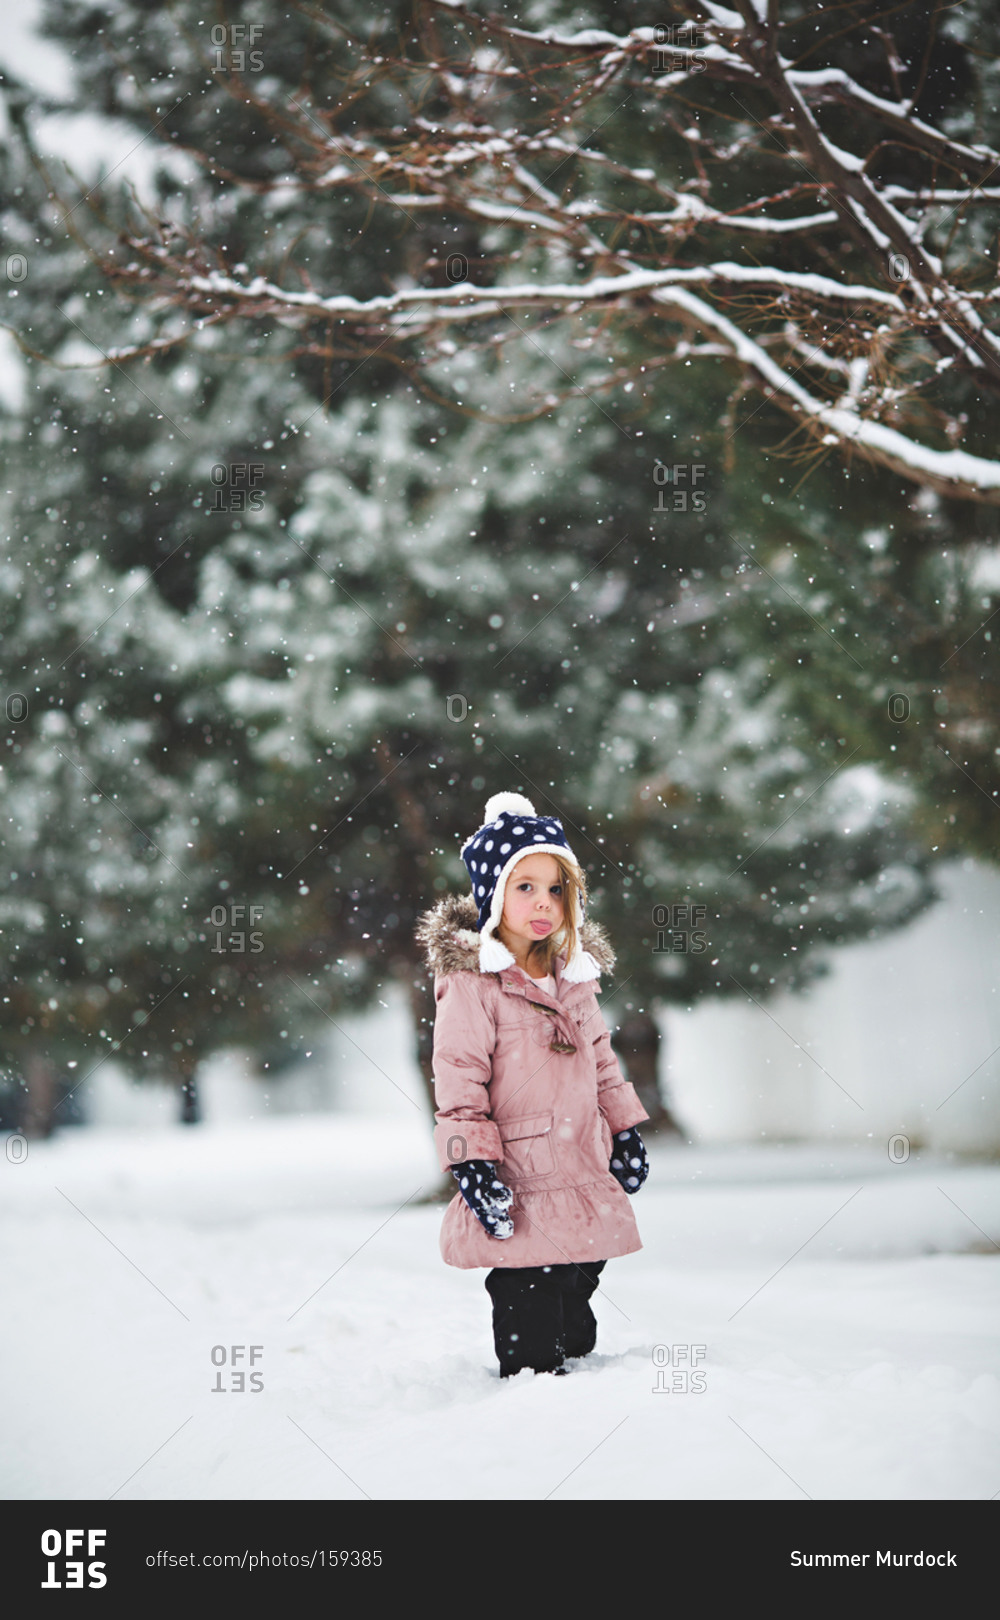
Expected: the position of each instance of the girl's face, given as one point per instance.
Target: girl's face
(533, 903)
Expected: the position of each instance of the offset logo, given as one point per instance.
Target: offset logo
(678, 1369)
(237, 1377)
(63, 1568)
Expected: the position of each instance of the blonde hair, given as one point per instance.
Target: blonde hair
(563, 940)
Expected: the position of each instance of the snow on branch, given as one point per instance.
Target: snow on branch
(948, 471)
(466, 301)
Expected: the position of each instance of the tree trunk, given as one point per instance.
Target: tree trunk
(190, 1100)
(637, 1043)
(420, 989)
(38, 1104)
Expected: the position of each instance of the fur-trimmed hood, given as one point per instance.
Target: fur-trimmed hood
(451, 941)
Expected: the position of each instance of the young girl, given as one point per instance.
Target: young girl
(534, 1117)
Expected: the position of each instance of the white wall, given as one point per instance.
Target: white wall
(365, 1066)
(899, 1023)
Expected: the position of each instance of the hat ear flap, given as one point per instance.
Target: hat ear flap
(493, 953)
(581, 967)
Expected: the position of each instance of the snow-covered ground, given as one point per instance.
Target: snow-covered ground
(840, 1311)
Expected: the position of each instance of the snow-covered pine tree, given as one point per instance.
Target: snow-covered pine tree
(313, 659)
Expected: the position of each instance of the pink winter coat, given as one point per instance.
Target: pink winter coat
(529, 1081)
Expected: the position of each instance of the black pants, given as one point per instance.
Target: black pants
(542, 1314)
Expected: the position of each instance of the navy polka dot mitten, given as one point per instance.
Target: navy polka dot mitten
(629, 1163)
(486, 1196)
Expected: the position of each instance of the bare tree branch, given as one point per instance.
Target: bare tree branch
(868, 364)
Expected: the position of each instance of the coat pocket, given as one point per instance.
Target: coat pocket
(527, 1147)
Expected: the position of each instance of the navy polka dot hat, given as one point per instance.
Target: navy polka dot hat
(510, 831)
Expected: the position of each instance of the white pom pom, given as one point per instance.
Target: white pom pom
(516, 803)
